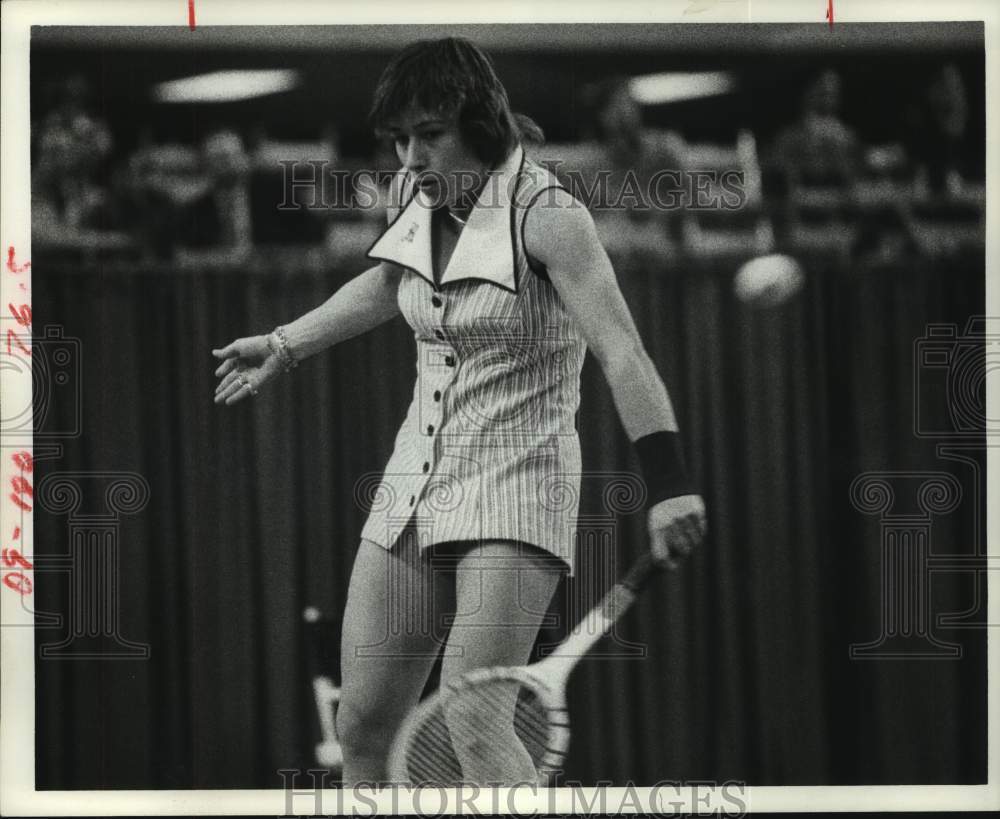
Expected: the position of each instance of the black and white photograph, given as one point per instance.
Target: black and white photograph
(406, 413)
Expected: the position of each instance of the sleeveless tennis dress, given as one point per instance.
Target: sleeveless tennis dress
(489, 448)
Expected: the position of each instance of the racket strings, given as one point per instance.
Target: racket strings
(495, 731)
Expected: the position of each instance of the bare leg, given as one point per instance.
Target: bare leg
(503, 591)
(392, 633)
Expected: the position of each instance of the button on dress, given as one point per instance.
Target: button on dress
(489, 447)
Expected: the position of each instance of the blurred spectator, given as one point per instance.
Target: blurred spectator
(936, 133)
(296, 188)
(614, 170)
(71, 145)
(886, 238)
(811, 173)
(727, 216)
(818, 150)
(158, 181)
(192, 204)
(353, 230)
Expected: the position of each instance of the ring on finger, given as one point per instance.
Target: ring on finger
(246, 382)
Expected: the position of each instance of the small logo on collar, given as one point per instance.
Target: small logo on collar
(411, 233)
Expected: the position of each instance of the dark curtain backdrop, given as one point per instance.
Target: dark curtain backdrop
(252, 516)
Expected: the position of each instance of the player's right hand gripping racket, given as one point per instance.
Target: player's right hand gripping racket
(505, 726)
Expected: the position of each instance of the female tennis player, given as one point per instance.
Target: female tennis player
(500, 274)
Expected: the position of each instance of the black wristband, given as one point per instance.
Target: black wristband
(662, 462)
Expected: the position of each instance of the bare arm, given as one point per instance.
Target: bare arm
(366, 301)
(562, 236)
(363, 303)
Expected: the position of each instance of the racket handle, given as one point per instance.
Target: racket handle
(596, 624)
(643, 569)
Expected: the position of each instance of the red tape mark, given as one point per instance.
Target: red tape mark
(829, 12)
(191, 14)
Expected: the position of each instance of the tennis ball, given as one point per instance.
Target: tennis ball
(768, 280)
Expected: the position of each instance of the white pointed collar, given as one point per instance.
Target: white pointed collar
(486, 247)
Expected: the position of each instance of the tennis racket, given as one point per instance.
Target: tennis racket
(505, 726)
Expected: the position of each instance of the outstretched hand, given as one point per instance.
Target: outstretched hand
(248, 364)
(676, 527)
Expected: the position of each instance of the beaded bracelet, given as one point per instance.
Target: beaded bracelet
(662, 461)
(277, 342)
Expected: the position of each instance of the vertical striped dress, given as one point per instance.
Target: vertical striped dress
(489, 447)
